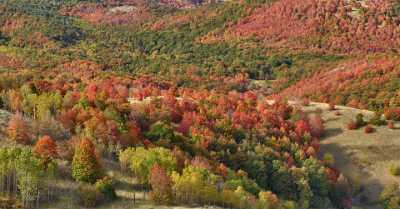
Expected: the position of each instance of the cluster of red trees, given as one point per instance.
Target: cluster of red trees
(10, 62)
(11, 25)
(15, 27)
(204, 115)
(102, 109)
(333, 25)
(366, 84)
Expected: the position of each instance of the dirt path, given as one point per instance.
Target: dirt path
(363, 158)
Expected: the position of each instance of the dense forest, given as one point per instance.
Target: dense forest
(188, 97)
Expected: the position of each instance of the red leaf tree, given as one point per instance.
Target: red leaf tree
(18, 129)
(161, 185)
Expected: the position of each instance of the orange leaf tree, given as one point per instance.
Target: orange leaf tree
(18, 129)
(45, 148)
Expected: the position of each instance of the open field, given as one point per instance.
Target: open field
(363, 158)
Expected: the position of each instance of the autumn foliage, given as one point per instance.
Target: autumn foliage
(85, 164)
(369, 129)
(161, 185)
(333, 25)
(191, 119)
(18, 129)
(351, 125)
(392, 114)
(365, 84)
(46, 148)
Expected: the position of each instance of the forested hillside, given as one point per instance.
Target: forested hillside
(187, 98)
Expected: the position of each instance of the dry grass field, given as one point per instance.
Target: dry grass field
(363, 158)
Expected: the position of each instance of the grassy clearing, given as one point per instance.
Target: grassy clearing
(365, 159)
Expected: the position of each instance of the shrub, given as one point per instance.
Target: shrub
(9, 203)
(89, 196)
(328, 159)
(377, 120)
(394, 170)
(390, 197)
(360, 120)
(107, 188)
(317, 126)
(85, 164)
(391, 125)
(352, 125)
(369, 129)
(392, 114)
(332, 106)
(305, 102)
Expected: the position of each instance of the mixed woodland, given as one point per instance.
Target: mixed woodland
(178, 94)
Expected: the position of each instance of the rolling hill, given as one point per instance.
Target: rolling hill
(136, 103)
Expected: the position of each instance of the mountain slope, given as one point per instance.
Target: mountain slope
(191, 80)
(336, 26)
